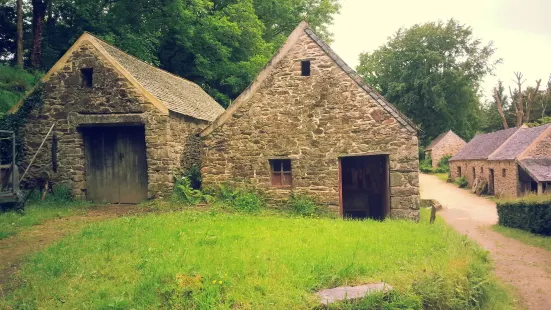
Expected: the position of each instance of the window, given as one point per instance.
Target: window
(504, 172)
(482, 169)
(459, 172)
(305, 65)
(281, 172)
(474, 173)
(86, 77)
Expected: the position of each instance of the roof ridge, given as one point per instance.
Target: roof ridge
(136, 58)
(504, 142)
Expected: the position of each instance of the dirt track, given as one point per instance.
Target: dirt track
(525, 267)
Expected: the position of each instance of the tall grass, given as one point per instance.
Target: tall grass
(201, 260)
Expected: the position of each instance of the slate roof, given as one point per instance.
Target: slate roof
(518, 143)
(482, 146)
(538, 168)
(401, 118)
(177, 94)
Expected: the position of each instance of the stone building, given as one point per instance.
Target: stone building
(309, 124)
(446, 144)
(514, 161)
(121, 127)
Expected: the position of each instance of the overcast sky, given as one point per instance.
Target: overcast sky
(520, 30)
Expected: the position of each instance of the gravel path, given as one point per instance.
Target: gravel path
(525, 267)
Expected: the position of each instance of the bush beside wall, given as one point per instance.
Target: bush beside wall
(530, 213)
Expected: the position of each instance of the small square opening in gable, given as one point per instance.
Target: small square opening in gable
(305, 66)
(87, 77)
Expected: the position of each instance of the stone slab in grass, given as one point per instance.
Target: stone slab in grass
(341, 293)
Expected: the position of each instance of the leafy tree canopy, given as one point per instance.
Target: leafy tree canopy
(432, 72)
(218, 44)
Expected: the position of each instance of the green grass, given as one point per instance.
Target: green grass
(37, 212)
(442, 176)
(215, 260)
(543, 242)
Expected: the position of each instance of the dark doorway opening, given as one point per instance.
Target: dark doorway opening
(365, 186)
(491, 184)
(116, 167)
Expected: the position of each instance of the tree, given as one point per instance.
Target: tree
(522, 101)
(38, 21)
(19, 52)
(498, 93)
(432, 72)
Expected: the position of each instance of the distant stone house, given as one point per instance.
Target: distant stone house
(514, 161)
(121, 127)
(446, 144)
(309, 124)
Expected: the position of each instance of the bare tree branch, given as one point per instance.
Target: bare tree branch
(530, 100)
(500, 106)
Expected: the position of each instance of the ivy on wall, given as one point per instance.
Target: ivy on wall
(15, 122)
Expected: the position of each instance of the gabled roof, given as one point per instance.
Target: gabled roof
(291, 40)
(539, 169)
(482, 146)
(440, 138)
(518, 142)
(166, 91)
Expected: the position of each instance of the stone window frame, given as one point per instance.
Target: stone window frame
(281, 172)
(87, 77)
(305, 67)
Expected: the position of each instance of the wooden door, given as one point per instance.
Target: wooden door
(116, 168)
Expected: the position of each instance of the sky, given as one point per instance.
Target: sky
(519, 29)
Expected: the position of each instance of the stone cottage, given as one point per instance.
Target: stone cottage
(446, 144)
(309, 124)
(514, 161)
(121, 127)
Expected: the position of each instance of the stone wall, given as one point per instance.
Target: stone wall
(541, 148)
(311, 120)
(449, 145)
(505, 182)
(112, 100)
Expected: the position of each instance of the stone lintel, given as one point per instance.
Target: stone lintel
(89, 120)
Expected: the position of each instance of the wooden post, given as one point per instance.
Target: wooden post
(540, 188)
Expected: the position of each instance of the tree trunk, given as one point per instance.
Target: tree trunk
(519, 107)
(19, 52)
(39, 17)
(500, 108)
(530, 101)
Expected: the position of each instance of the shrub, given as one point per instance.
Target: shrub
(305, 205)
(184, 192)
(425, 166)
(247, 202)
(239, 199)
(461, 182)
(194, 176)
(531, 213)
(444, 164)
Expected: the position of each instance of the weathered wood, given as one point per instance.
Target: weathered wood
(116, 168)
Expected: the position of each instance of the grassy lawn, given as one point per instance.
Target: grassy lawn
(214, 260)
(37, 212)
(543, 242)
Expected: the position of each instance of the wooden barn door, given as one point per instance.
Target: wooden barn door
(116, 168)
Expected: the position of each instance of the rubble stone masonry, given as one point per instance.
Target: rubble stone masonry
(311, 120)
